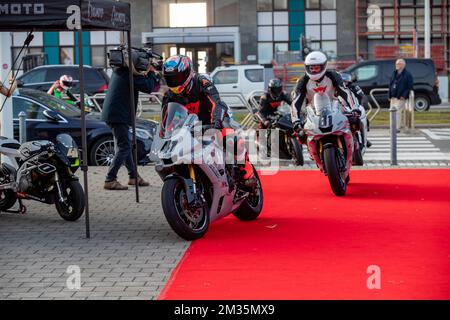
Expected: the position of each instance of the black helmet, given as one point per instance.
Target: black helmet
(178, 73)
(275, 88)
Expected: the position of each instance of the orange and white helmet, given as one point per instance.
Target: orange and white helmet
(66, 82)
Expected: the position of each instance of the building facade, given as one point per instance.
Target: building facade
(217, 32)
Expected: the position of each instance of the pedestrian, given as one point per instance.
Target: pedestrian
(7, 92)
(400, 85)
(117, 114)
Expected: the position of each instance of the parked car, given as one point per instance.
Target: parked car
(48, 116)
(376, 74)
(242, 79)
(42, 77)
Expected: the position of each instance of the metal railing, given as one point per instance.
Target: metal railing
(408, 119)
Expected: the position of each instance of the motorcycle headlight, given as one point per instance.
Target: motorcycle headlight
(72, 153)
(142, 133)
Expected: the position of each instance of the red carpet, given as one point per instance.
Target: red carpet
(309, 244)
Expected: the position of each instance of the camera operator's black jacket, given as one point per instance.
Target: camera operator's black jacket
(269, 105)
(116, 108)
(202, 99)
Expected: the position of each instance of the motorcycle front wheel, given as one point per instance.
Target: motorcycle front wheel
(252, 206)
(188, 224)
(73, 206)
(337, 182)
(296, 151)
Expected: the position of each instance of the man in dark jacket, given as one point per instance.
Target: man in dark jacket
(400, 86)
(117, 114)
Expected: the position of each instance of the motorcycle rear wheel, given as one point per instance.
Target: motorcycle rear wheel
(337, 183)
(72, 209)
(7, 199)
(251, 207)
(174, 204)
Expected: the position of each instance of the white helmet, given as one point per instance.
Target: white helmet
(316, 65)
(66, 82)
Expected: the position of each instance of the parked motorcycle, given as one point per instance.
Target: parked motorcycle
(42, 171)
(289, 143)
(360, 139)
(330, 141)
(198, 186)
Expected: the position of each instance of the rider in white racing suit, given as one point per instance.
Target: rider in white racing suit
(319, 79)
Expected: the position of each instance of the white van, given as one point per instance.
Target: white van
(242, 80)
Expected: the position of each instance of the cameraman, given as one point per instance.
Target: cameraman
(117, 114)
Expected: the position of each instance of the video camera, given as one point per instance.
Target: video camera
(141, 58)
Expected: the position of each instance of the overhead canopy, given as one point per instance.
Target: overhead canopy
(42, 15)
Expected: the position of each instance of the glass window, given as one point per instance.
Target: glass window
(55, 104)
(226, 77)
(312, 17)
(226, 12)
(264, 18)
(264, 5)
(281, 18)
(312, 4)
(265, 33)
(54, 74)
(66, 55)
(31, 109)
(366, 72)
(35, 76)
(187, 15)
(280, 4)
(329, 16)
(182, 13)
(281, 33)
(313, 32)
(281, 47)
(98, 57)
(328, 4)
(329, 32)
(92, 75)
(265, 52)
(255, 75)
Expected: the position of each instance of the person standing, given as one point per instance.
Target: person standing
(7, 92)
(400, 85)
(117, 114)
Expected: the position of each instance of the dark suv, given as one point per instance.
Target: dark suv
(41, 78)
(376, 74)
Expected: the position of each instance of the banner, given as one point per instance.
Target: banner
(63, 15)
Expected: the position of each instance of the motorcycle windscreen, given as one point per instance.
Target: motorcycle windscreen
(174, 118)
(68, 147)
(322, 104)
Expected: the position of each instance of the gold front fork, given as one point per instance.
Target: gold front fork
(191, 172)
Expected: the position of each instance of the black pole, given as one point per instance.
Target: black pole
(133, 113)
(84, 166)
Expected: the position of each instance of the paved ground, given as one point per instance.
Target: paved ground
(130, 254)
(132, 251)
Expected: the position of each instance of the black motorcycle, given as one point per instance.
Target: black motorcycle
(42, 171)
(289, 143)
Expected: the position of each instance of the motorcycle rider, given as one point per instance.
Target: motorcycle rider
(199, 95)
(62, 89)
(271, 100)
(319, 79)
(359, 94)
